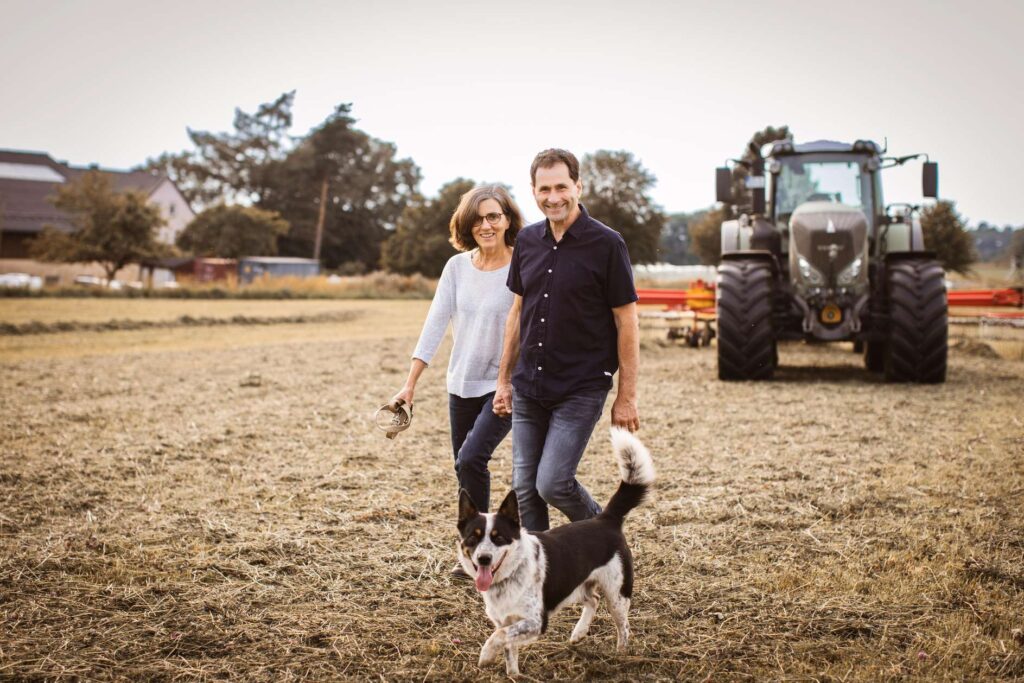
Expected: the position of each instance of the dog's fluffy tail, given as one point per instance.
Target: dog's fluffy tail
(636, 468)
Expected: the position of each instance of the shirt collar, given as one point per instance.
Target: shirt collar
(578, 226)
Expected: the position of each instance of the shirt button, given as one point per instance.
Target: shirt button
(540, 343)
(555, 248)
(549, 270)
(545, 296)
(542, 319)
(539, 368)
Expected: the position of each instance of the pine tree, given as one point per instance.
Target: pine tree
(947, 236)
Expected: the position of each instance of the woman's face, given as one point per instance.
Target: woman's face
(491, 224)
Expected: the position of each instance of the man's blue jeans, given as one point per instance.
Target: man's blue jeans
(476, 432)
(548, 440)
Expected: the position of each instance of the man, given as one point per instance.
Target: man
(573, 323)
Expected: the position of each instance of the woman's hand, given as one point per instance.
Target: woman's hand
(415, 370)
(405, 395)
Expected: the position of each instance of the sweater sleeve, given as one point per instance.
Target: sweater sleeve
(441, 310)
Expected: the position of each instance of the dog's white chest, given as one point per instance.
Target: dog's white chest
(513, 602)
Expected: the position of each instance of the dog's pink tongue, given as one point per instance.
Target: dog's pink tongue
(483, 578)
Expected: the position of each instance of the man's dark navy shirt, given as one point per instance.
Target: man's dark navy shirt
(568, 341)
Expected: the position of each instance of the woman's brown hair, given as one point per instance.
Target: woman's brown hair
(461, 225)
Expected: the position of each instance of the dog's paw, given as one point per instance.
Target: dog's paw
(578, 634)
(490, 652)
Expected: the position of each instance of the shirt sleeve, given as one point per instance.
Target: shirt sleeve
(619, 287)
(515, 280)
(442, 307)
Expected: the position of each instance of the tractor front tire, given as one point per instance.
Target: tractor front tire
(918, 333)
(746, 341)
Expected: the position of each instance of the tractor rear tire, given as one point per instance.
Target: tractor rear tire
(918, 333)
(746, 341)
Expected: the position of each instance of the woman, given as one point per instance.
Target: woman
(472, 296)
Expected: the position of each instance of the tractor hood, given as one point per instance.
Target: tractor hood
(829, 237)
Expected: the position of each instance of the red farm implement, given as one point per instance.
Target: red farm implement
(690, 312)
(700, 298)
(984, 298)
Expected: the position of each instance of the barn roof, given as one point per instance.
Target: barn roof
(29, 182)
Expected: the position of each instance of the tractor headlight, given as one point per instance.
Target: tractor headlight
(851, 272)
(808, 272)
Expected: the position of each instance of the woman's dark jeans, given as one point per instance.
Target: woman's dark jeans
(476, 432)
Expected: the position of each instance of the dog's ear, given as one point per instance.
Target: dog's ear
(467, 508)
(510, 508)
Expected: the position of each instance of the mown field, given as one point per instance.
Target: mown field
(207, 501)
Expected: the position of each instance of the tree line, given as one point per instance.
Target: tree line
(336, 194)
(344, 197)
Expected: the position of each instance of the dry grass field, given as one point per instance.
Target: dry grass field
(213, 502)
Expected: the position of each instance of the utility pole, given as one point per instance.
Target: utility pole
(320, 220)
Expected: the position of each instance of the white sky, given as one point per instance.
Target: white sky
(475, 89)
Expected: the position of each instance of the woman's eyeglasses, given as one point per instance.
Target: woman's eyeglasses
(493, 218)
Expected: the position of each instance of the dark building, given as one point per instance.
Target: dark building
(29, 183)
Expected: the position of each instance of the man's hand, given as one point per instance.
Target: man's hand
(625, 414)
(624, 411)
(502, 404)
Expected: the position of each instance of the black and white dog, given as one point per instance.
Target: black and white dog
(525, 577)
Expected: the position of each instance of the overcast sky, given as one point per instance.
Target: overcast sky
(475, 89)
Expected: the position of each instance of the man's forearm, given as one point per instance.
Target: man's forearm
(629, 353)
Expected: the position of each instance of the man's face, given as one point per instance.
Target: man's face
(557, 194)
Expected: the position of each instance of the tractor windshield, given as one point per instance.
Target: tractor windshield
(839, 178)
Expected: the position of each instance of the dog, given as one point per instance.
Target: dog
(525, 577)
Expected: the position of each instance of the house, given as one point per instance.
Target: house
(29, 181)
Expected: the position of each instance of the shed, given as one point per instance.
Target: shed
(255, 267)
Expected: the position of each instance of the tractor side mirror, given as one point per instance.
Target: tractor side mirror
(723, 185)
(930, 179)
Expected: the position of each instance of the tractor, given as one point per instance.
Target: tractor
(820, 257)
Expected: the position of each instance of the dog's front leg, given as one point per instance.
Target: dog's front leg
(512, 659)
(492, 648)
(511, 638)
(517, 634)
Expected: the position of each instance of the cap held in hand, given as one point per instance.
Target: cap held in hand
(392, 418)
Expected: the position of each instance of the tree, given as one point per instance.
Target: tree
(705, 234)
(992, 243)
(187, 174)
(742, 197)
(674, 245)
(114, 229)
(615, 191)
(1017, 250)
(231, 166)
(946, 235)
(340, 189)
(233, 232)
(344, 185)
(420, 242)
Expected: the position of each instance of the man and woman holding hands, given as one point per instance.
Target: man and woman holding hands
(542, 316)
